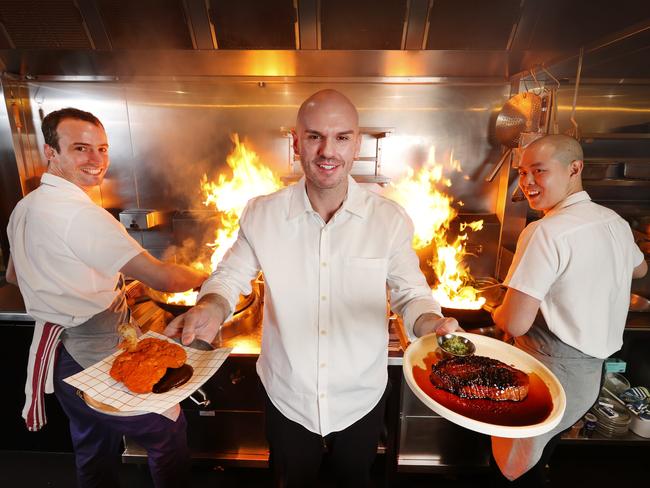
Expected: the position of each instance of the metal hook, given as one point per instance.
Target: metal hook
(575, 132)
(532, 75)
(551, 75)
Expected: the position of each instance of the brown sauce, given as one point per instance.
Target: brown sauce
(535, 408)
(173, 378)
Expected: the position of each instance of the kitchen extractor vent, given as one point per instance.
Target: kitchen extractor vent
(55, 24)
(145, 24)
(251, 24)
(362, 24)
(471, 24)
(569, 25)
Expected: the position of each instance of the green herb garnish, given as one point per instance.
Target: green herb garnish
(455, 345)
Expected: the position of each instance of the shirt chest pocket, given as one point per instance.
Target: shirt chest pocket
(364, 281)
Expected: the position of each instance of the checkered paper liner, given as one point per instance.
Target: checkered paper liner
(97, 383)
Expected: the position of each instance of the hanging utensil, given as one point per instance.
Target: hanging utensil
(551, 117)
(574, 131)
(519, 114)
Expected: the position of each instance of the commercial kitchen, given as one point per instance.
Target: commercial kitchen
(199, 98)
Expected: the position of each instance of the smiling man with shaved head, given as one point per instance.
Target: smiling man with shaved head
(329, 250)
(568, 291)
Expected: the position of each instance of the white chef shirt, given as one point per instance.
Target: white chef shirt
(578, 261)
(67, 252)
(323, 360)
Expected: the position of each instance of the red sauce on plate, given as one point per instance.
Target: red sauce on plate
(535, 408)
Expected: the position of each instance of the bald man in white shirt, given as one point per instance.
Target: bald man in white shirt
(568, 291)
(67, 256)
(329, 250)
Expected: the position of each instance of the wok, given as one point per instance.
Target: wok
(493, 292)
(469, 319)
(160, 299)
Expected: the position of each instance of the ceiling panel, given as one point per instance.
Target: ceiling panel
(472, 24)
(145, 24)
(564, 24)
(362, 24)
(251, 24)
(31, 24)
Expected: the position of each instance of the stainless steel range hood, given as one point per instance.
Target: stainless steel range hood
(452, 38)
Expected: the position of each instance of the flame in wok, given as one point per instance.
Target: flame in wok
(432, 212)
(229, 195)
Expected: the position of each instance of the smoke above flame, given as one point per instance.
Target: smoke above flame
(228, 195)
(432, 213)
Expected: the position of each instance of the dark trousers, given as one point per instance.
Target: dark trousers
(297, 453)
(96, 437)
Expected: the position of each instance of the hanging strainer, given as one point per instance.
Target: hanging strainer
(519, 114)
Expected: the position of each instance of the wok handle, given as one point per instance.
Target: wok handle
(200, 398)
(498, 165)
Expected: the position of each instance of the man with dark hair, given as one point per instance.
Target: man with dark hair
(52, 121)
(67, 257)
(568, 291)
(329, 249)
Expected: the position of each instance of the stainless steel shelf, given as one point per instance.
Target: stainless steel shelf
(630, 438)
(378, 179)
(616, 160)
(376, 132)
(372, 176)
(617, 182)
(134, 454)
(615, 135)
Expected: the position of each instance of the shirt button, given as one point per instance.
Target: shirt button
(323, 332)
(323, 365)
(323, 264)
(322, 395)
(323, 298)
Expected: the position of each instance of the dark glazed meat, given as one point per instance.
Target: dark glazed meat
(480, 377)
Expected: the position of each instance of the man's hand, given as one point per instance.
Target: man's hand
(202, 321)
(430, 322)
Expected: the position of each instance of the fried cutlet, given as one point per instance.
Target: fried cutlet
(141, 368)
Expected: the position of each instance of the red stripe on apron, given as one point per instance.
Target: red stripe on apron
(47, 346)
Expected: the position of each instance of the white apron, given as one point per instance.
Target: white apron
(580, 376)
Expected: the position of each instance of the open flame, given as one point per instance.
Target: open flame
(432, 212)
(229, 195)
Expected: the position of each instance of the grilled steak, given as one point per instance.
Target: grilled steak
(480, 377)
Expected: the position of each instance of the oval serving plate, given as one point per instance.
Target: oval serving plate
(486, 346)
(107, 409)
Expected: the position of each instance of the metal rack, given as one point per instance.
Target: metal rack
(358, 173)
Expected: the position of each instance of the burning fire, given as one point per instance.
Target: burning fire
(229, 195)
(432, 212)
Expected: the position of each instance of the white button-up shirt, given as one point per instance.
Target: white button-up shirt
(323, 360)
(578, 261)
(67, 252)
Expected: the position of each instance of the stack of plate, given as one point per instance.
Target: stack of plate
(613, 418)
